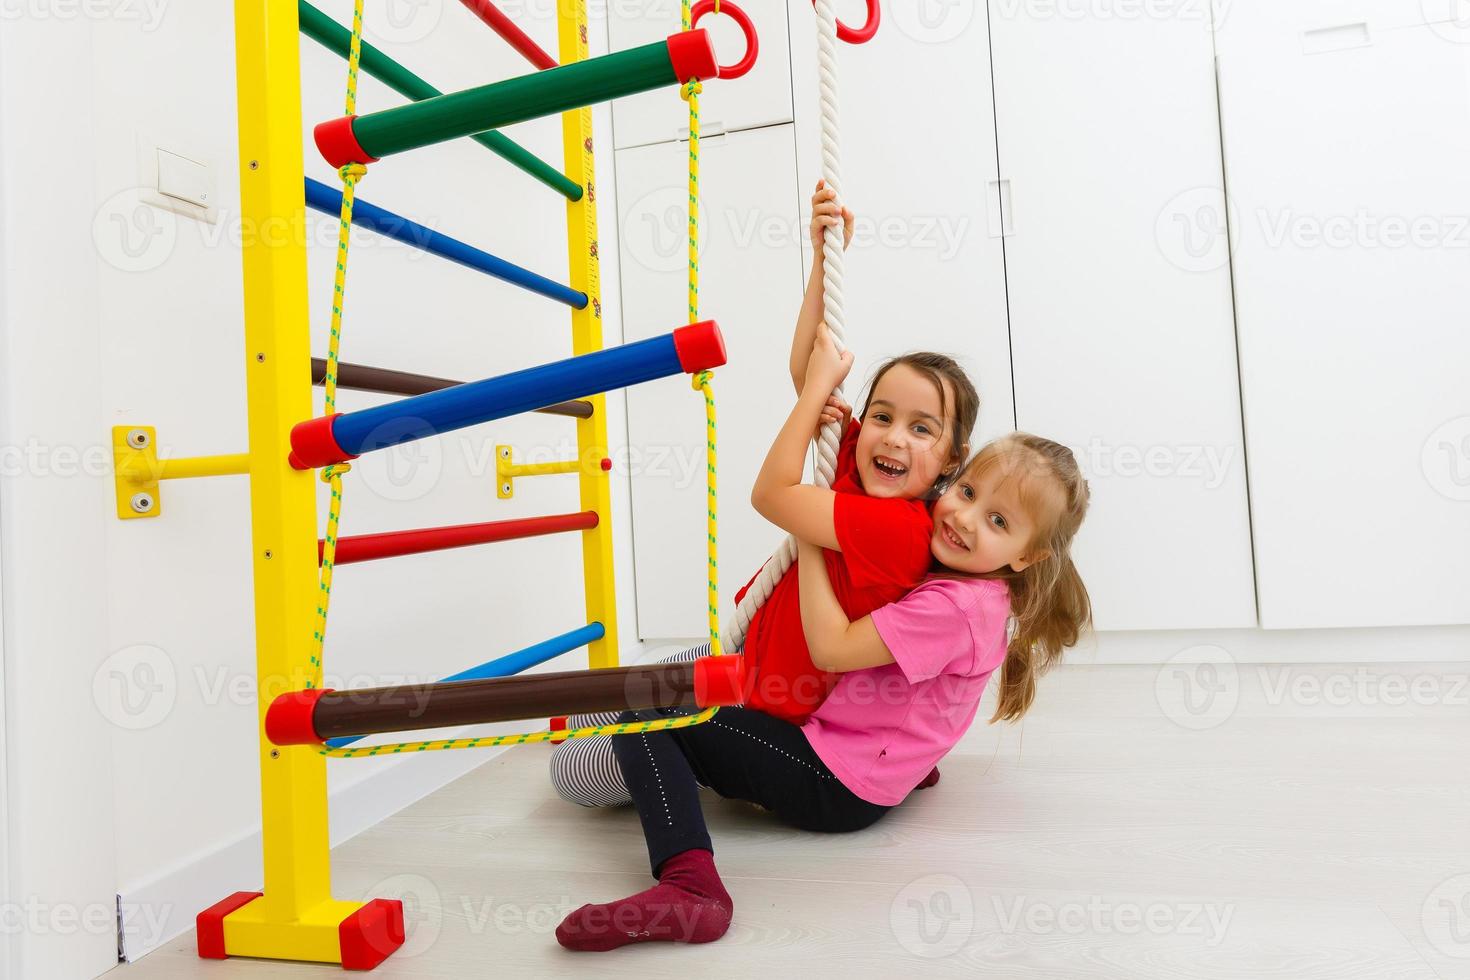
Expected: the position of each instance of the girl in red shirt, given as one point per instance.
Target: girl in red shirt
(910, 437)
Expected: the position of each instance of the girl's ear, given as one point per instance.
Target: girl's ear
(1026, 561)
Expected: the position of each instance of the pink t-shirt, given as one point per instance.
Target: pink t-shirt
(882, 729)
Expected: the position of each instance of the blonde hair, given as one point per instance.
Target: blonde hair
(1048, 598)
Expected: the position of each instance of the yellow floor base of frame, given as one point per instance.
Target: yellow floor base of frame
(359, 935)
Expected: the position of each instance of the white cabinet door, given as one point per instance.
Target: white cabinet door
(751, 279)
(1121, 325)
(760, 98)
(925, 270)
(1348, 163)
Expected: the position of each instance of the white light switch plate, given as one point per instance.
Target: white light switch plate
(175, 176)
(184, 179)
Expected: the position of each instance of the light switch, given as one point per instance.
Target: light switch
(184, 179)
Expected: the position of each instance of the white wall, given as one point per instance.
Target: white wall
(1122, 348)
(61, 851)
(925, 270)
(159, 611)
(1120, 336)
(1347, 139)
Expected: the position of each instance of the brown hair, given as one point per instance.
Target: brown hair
(1048, 598)
(939, 369)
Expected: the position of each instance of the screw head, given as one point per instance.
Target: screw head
(254, 164)
(269, 554)
(260, 358)
(505, 452)
(505, 488)
(142, 503)
(275, 753)
(138, 438)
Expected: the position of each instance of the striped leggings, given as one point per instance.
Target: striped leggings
(584, 770)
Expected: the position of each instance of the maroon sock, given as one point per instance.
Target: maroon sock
(929, 780)
(688, 905)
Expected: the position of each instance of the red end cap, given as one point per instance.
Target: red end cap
(719, 681)
(700, 346)
(338, 143)
(606, 465)
(288, 721)
(209, 925)
(691, 54)
(313, 445)
(369, 936)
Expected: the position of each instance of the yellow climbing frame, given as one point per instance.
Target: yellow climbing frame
(296, 916)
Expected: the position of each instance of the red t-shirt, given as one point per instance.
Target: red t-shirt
(885, 553)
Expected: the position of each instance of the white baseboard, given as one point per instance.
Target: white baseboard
(164, 907)
(1407, 644)
(1397, 644)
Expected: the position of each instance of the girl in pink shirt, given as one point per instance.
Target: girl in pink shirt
(912, 674)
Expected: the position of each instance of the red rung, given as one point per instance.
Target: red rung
(368, 547)
(514, 36)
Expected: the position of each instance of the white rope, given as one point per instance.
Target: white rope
(733, 636)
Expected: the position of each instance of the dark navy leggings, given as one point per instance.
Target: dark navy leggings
(741, 754)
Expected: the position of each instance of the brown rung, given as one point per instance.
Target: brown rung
(360, 377)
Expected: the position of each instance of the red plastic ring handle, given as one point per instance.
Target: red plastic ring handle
(863, 34)
(752, 45)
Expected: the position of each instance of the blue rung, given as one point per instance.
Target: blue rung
(514, 663)
(328, 200)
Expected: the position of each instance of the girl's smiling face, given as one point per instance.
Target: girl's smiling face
(987, 519)
(904, 444)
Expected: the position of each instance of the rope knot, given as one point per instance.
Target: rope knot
(690, 89)
(700, 381)
(352, 171)
(334, 470)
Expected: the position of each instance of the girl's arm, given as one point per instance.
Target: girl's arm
(836, 644)
(779, 494)
(825, 211)
(807, 322)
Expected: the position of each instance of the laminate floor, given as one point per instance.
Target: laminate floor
(1191, 821)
